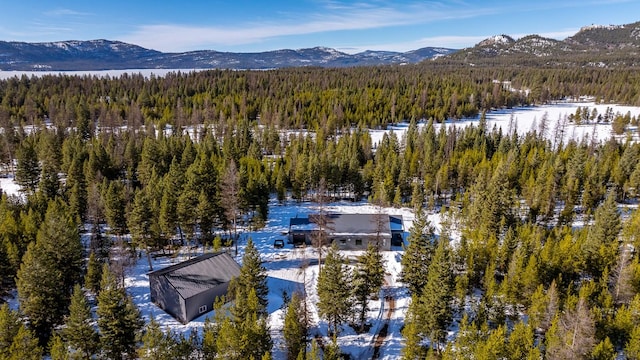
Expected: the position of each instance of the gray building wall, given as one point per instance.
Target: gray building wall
(166, 297)
(206, 298)
(361, 242)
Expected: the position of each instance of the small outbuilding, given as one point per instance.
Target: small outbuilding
(189, 289)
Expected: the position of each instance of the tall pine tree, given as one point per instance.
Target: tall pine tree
(79, 333)
(253, 275)
(334, 290)
(28, 167)
(433, 309)
(295, 327)
(50, 268)
(9, 325)
(417, 256)
(600, 249)
(368, 280)
(25, 346)
(118, 318)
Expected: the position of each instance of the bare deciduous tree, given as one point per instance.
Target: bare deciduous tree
(229, 195)
(621, 278)
(322, 219)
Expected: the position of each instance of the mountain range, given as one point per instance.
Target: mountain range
(597, 46)
(115, 55)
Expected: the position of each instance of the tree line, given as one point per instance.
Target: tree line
(514, 198)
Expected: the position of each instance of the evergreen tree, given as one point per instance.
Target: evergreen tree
(7, 271)
(368, 279)
(204, 212)
(9, 325)
(412, 349)
(334, 290)
(604, 350)
(114, 207)
(25, 346)
(76, 188)
(314, 353)
(118, 318)
(521, 342)
(493, 347)
(49, 184)
(141, 224)
(94, 274)
(58, 349)
(245, 333)
(295, 327)
(434, 312)
(417, 256)
(172, 186)
(601, 246)
(632, 348)
(253, 275)
(331, 350)
(167, 218)
(79, 333)
(28, 167)
(156, 345)
(50, 268)
(210, 334)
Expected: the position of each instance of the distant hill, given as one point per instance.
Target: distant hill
(600, 46)
(115, 55)
(592, 46)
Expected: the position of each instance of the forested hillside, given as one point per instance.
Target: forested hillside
(545, 266)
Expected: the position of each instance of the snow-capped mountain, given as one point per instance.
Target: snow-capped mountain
(612, 45)
(108, 55)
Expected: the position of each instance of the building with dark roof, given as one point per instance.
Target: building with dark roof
(350, 231)
(189, 289)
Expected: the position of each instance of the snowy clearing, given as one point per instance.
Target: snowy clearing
(287, 273)
(98, 73)
(529, 118)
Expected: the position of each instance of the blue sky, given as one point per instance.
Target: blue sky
(349, 26)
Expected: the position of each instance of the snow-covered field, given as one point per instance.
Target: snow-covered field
(98, 73)
(529, 118)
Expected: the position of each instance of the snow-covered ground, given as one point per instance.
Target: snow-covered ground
(287, 273)
(529, 118)
(9, 186)
(98, 73)
(285, 266)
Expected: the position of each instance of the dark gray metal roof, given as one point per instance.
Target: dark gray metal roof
(199, 274)
(352, 224)
(359, 224)
(299, 221)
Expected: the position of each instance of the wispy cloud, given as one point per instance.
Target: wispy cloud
(65, 12)
(334, 16)
(340, 16)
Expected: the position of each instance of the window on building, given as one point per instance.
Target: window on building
(358, 242)
(343, 241)
(202, 309)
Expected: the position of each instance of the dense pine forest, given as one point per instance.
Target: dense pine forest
(546, 265)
